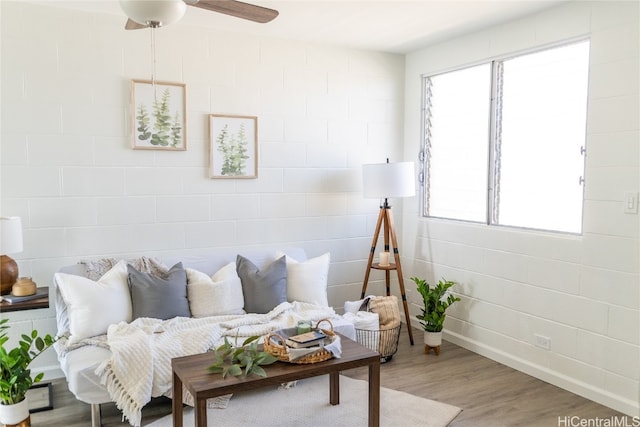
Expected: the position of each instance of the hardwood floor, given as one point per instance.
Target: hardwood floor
(490, 394)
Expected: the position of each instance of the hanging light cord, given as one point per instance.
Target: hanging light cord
(153, 59)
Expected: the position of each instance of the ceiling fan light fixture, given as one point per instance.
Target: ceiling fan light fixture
(154, 12)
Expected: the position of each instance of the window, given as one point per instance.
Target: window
(504, 142)
(457, 137)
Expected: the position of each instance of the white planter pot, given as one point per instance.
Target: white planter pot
(432, 339)
(14, 414)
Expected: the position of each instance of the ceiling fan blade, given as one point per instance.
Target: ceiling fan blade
(238, 9)
(133, 25)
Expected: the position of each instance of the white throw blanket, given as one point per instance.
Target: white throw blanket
(140, 365)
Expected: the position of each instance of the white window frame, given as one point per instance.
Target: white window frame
(492, 143)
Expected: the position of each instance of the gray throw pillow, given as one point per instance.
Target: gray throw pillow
(263, 289)
(159, 297)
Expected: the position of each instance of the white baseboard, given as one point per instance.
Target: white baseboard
(588, 391)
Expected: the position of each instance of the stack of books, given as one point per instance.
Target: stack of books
(12, 299)
(308, 339)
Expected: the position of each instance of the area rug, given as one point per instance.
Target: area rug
(307, 404)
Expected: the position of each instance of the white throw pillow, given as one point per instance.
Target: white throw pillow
(307, 280)
(359, 305)
(93, 306)
(217, 295)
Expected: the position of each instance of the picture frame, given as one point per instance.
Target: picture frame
(158, 115)
(40, 397)
(233, 143)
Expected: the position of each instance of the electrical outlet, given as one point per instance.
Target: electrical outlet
(542, 341)
(631, 202)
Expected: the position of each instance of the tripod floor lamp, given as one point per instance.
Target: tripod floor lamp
(383, 181)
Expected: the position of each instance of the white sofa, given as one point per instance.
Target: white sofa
(81, 359)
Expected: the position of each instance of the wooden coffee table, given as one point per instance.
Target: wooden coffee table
(191, 372)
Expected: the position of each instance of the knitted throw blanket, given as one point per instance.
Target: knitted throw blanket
(140, 365)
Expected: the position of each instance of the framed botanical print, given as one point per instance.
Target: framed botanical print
(40, 397)
(233, 146)
(158, 115)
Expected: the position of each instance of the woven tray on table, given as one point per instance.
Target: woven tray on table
(275, 344)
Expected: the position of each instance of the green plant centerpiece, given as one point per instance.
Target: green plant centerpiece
(15, 375)
(230, 360)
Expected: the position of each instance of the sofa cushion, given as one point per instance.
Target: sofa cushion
(159, 297)
(265, 288)
(307, 280)
(217, 295)
(98, 267)
(94, 305)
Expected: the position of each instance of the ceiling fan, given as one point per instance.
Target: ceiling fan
(156, 13)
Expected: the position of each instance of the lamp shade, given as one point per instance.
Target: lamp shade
(10, 235)
(382, 180)
(163, 12)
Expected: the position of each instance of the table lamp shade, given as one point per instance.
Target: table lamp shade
(383, 180)
(10, 235)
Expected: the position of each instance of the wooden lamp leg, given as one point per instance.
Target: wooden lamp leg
(385, 219)
(396, 255)
(376, 233)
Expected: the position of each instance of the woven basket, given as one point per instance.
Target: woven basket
(384, 341)
(275, 344)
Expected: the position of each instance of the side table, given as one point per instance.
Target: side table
(42, 302)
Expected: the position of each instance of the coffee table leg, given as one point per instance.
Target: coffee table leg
(334, 388)
(176, 404)
(374, 394)
(201, 413)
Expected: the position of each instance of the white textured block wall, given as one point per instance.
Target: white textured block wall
(68, 170)
(583, 292)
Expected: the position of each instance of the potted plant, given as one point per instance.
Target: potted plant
(15, 375)
(436, 300)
